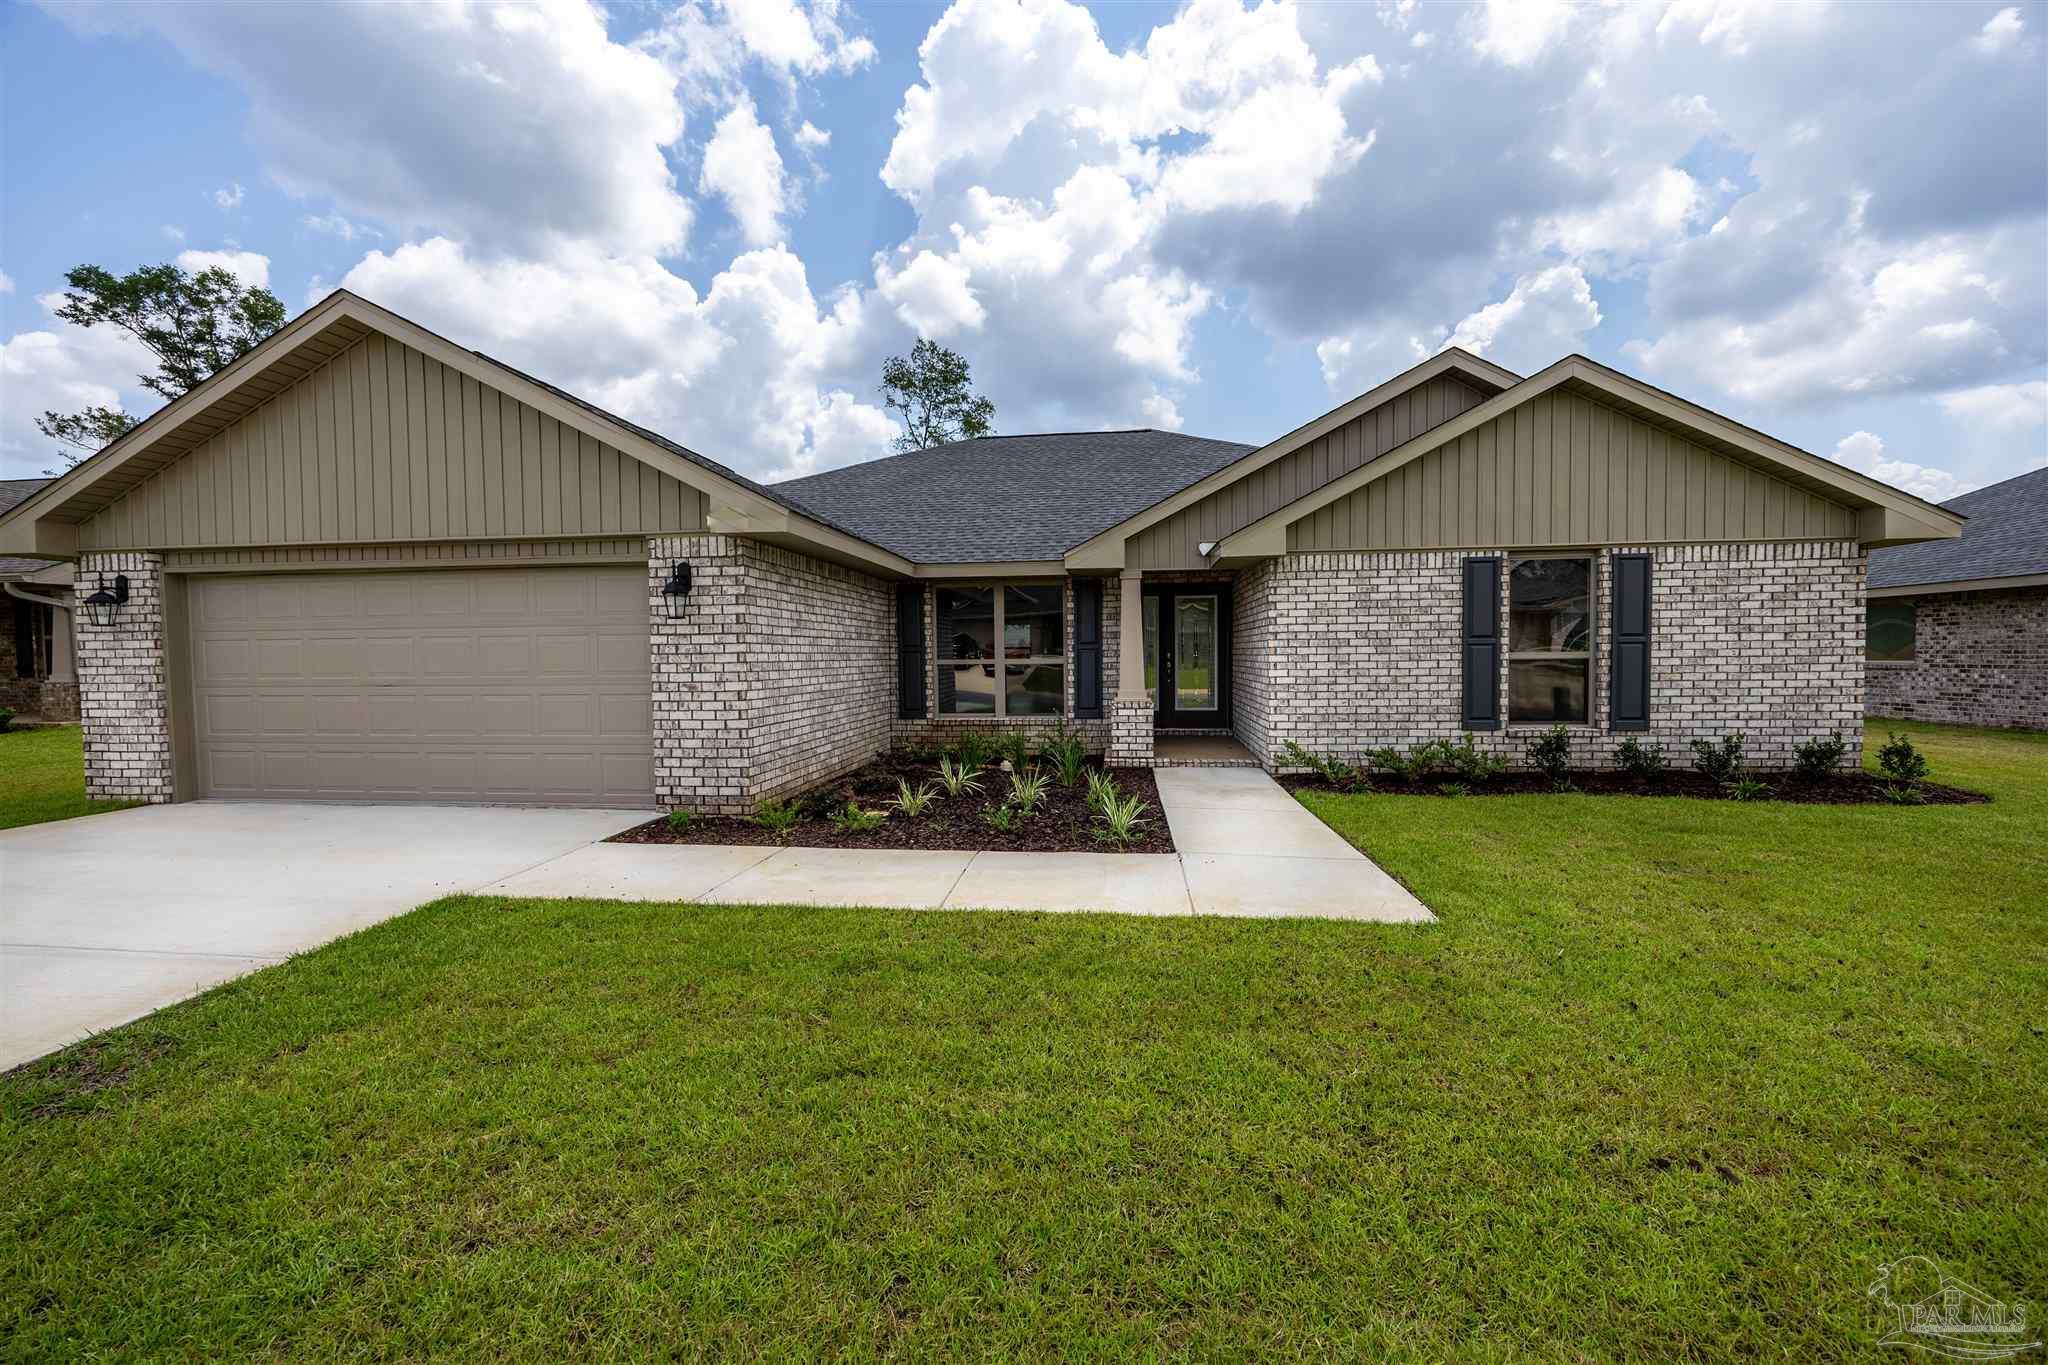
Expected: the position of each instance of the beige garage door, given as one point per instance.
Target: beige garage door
(504, 685)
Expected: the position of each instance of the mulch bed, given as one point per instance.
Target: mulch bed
(1063, 824)
(1846, 789)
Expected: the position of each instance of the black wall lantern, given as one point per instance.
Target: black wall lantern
(676, 591)
(101, 606)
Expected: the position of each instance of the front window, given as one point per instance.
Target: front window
(1550, 640)
(1027, 675)
(1888, 631)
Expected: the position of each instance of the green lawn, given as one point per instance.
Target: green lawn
(42, 777)
(1669, 1081)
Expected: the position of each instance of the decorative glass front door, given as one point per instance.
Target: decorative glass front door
(1187, 656)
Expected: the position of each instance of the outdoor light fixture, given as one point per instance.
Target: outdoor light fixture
(102, 605)
(676, 592)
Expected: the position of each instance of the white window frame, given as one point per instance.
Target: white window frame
(1002, 661)
(1509, 654)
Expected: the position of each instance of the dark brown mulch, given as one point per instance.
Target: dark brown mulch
(1063, 824)
(1846, 789)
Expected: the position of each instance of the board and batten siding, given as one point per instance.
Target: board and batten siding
(1565, 470)
(1174, 543)
(385, 443)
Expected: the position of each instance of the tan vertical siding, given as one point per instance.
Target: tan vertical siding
(1562, 469)
(385, 444)
(1172, 543)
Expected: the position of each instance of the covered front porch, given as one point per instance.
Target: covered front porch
(1176, 702)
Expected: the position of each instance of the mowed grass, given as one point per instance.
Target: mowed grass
(1669, 1081)
(42, 777)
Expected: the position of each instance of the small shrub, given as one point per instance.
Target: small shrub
(959, 777)
(1122, 820)
(1472, 764)
(1001, 819)
(1068, 755)
(851, 819)
(6, 719)
(1901, 761)
(1334, 772)
(914, 801)
(1550, 753)
(678, 821)
(972, 749)
(1720, 762)
(1816, 760)
(1638, 759)
(1017, 751)
(1747, 789)
(1027, 789)
(1903, 794)
(1454, 789)
(1101, 788)
(778, 817)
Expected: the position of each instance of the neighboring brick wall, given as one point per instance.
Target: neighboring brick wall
(780, 675)
(1980, 658)
(938, 729)
(1763, 638)
(33, 698)
(124, 698)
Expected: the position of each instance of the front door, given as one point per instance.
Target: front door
(1187, 655)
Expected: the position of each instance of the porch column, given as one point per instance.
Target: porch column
(62, 667)
(1130, 715)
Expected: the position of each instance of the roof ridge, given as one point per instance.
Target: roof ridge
(2010, 478)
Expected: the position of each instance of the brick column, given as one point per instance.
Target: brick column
(1130, 714)
(700, 682)
(124, 696)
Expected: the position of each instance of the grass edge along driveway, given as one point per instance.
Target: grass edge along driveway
(42, 777)
(1670, 1080)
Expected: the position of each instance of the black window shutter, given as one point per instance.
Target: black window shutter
(1628, 691)
(910, 651)
(1481, 656)
(1088, 648)
(24, 639)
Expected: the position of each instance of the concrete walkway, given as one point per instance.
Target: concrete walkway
(1248, 849)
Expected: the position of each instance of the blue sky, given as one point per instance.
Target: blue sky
(1828, 221)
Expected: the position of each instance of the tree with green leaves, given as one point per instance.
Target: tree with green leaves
(930, 391)
(195, 325)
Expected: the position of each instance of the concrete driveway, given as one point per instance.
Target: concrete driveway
(106, 918)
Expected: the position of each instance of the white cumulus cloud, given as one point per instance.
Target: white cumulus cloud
(252, 268)
(1864, 452)
(742, 166)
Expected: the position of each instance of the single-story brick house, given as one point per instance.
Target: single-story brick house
(1958, 629)
(364, 563)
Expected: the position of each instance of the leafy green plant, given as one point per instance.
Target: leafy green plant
(1638, 759)
(914, 801)
(1901, 761)
(973, 749)
(1430, 758)
(778, 817)
(1334, 771)
(1123, 818)
(1550, 753)
(6, 719)
(1001, 819)
(1903, 794)
(1101, 788)
(959, 777)
(1747, 789)
(1067, 753)
(1816, 760)
(852, 819)
(678, 821)
(1721, 762)
(1027, 788)
(1454, 789)
(1473, 765)
(1017, 751)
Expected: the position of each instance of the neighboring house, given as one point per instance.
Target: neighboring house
(37, 677)
(363, 563)
(1958, 629)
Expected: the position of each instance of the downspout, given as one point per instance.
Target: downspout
(15, 590)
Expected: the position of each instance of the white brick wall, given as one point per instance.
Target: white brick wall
(1357, 651)
(124, 700)
(780, 675)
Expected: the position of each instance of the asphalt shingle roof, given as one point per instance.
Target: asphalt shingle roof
(12, 493)
(2006, 536)
(1008, 497)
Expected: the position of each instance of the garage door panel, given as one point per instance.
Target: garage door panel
(512, 685)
